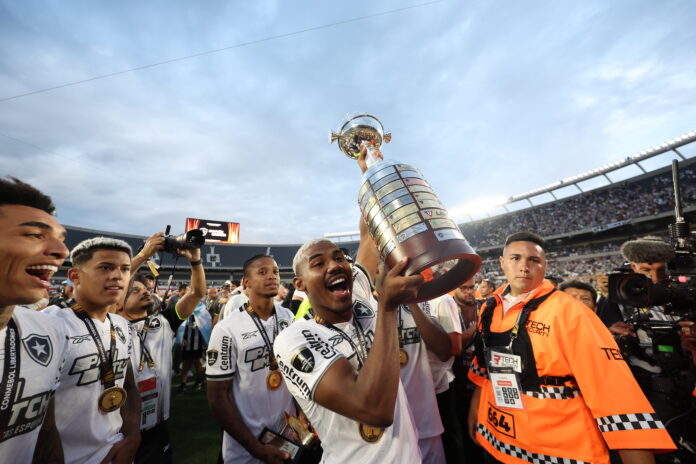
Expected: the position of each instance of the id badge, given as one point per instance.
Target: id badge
(149, 396)
(503, 370)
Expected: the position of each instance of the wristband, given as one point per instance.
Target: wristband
(140, 255)
(196, 263)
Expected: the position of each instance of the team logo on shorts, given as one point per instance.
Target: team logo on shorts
(303, 360)
(39, 348)
(120, 334)
(212, 357)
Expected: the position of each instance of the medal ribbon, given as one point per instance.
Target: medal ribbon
(400, 325)
(273, 363)
(361, 352)
(145, 355)
(9, 380)
(106, 368)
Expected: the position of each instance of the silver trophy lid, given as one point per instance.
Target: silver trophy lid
(356, 129)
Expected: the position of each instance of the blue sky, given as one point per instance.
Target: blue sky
(488, 99)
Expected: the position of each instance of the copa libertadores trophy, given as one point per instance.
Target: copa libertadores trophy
(403, 214)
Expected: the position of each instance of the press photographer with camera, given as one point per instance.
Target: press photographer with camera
(153, 334)
(187, 316)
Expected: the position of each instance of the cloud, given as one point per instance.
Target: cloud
(486, 99)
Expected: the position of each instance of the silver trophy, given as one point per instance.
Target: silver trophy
(403, 214)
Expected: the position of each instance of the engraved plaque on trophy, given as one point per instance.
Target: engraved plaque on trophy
(403, 214)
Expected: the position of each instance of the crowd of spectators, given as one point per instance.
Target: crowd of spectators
(593, 210)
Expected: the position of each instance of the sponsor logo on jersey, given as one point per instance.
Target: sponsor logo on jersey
(212, 356)
(87, 367)
(121, 335)
(225, 354)
(362, 311)
(294, 378)
(27, 413)
(257, 357)
(336, 340)
(411, 336)
(39, 348)
(303, 360)
(248, 335)
(283, 324)
(538, 328)
(80, 338)
(319, 345)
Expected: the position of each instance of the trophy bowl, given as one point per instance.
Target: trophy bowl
(404, 215)
(356, 129)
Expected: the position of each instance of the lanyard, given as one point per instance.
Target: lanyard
(145, 355)
(523, 314)
(9, 380)
(259, 325)
(106, 368)
(360, 351)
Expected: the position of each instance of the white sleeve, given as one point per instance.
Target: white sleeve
(447, 314)
(221, 356)
(362, 286)
(304, 355)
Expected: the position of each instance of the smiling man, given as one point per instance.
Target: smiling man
(32, 347)
(98, 403)
(246, 391)
(551, 383)
(343, 366)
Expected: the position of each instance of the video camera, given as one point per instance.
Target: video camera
(678, 294)
(187, 241)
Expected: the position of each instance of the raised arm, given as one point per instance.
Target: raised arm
(152, 245)
(373, 390)
(185, 306)
(433, 335)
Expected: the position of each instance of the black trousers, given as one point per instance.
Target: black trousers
(155, 446)
(453, 430)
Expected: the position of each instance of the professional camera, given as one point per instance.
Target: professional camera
(187, 241)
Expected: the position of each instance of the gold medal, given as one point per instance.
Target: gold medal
(403, 357)
(369, 433)
(274, 380)
(112, 399)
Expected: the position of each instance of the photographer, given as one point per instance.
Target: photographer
(654, 308)
(152, 349)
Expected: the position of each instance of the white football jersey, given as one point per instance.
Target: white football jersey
(233, 304)
(154, 383)
(41, 346)
(306, 350)
(445, 312)
(86, 433)
(417, 378)
(237, 352)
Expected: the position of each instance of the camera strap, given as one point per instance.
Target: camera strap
(145, 355)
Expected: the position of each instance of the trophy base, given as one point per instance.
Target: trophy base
(425, 252)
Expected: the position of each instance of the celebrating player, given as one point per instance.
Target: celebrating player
(31, 346)
(245, 388)
(97, 402)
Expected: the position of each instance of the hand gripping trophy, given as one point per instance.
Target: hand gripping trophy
(403, 214)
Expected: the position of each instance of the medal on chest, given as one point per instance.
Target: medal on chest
(274, 380)
(369, 433)
(403, 357)
(112, 399)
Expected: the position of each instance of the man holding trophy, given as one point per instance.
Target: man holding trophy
(343, 365)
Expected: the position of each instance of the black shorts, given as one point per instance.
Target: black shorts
(191, 354)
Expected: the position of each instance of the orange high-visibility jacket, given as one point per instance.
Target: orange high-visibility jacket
(602, 406)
